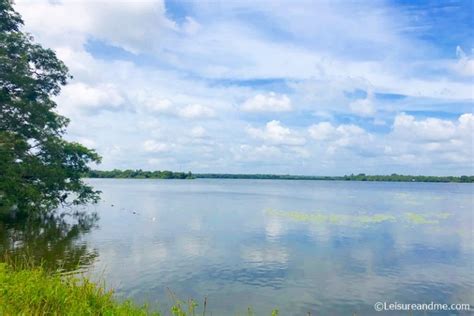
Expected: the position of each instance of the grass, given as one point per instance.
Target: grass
(32, 290)
(37, 292)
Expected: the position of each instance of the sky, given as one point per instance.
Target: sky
(282, 87)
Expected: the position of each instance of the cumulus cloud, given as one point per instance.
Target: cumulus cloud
(430, 129)
(150, 73)
(193, 111)
(275, 133)
(341, 136)
(270, 102)
(127, 24)
(363, 107)
(431, 140)
(84, 97)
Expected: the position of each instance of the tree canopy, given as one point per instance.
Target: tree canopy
(39, 169)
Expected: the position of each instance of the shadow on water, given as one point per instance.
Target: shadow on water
(51, 240)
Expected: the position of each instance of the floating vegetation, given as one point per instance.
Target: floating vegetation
(360, 219)
(333, 218)
(415, 218)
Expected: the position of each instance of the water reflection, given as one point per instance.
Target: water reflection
(332, 248)
(52, 240)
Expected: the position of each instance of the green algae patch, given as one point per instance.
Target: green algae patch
(415, 218)
(322, 218)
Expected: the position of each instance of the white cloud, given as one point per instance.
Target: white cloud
(256, 153)
(156, 147)
(430, 129)
(270, 102)
(128, 24)
(322, 131)
(431, 140)
(275, 133)
(342, 136)
(83, 97)
(191, 26)
(465, 64)
(86, 142)
(196, 111)
(363, 107)
(158, 105)
(327, 131)
(174, 77)
(198, 132)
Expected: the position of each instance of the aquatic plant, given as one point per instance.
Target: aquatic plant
(333, 218)
(415, 218)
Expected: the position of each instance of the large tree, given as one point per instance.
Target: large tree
(39, 169)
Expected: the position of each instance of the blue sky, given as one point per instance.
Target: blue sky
(301, 87)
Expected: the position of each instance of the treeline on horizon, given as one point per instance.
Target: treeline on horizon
(359, 177)
(165, 174)
(138, 174)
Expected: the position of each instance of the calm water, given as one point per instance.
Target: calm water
(332, 248)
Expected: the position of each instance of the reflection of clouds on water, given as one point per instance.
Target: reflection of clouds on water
(274, 228)
(337, 256)
(195, 223)
(264, 256)
(319, 233)
(193, 246)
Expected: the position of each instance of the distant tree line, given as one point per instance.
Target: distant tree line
(261, 176)
(407, 178)
(141, 174)
(359, 177)
(138, 174)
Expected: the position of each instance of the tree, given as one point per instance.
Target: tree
(39, 170)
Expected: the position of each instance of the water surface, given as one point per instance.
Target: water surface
(329, 247)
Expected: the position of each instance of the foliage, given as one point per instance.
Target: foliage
(408, 178)
(38, 168)
(139, 174)
(360, 177)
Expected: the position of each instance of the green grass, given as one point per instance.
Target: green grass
(37, 292)
(31, 290)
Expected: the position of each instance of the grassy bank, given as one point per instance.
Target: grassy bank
(34, 291)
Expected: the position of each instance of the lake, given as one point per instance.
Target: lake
(325, 247)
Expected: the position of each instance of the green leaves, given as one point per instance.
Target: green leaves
(39, 169)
